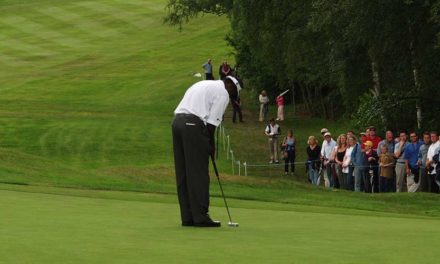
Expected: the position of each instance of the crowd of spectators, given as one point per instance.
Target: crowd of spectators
(369, 164)
(366, 163)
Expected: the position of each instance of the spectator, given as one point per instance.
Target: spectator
(339, 154)
(412, 167)
(272, 131)
(423, 152)
(313, 160)
(347, 168)
(289, 153)
(399, 151)
(280, 103)
(264, 105)
(389, 140)
(371, 178)
(327, 148)
(371, 136)
(386, 164)
(323, 131)
(208, 70)
(224, 70)
(350, 133)
(363, 137)
(430, 165)
(367, 132)
(236, 109)
(358, 163)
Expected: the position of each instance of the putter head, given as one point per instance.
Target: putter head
(232, 224)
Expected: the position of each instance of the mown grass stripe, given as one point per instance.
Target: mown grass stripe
(131, 18)
(30, 49)
(11, 61)
(41, 31)
(79, 21)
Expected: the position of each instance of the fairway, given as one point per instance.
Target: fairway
(136, 228)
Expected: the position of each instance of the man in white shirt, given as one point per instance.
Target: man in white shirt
(272, 131)
(196, 118)
(328, 145)
(430, 165)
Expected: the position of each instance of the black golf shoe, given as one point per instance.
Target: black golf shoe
(208, 223)
(187, 223)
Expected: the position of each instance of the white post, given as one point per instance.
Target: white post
(224, 135)
(232, 159)
(245, 168)
(228, 148)
(239, 168)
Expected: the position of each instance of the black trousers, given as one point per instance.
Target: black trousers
(191, 158)
(290, 159)
(432, 185)
(209, 76)
(236, 110)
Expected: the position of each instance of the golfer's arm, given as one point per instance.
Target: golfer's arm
(211, 130)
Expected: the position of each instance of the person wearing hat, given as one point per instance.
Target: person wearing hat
(363, 139)
(323, 131)
(371, 160)
(371, 136)
(196, 118)
(328, 146)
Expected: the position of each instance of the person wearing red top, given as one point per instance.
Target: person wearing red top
(373, 138)
(280, 103)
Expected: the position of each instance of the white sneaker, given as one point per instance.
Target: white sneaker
(270, 162)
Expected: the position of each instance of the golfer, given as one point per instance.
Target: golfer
(196, 118)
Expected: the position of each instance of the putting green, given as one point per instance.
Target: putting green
(136, 228)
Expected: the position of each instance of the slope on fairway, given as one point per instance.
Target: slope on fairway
(136, 228)
(89, 88)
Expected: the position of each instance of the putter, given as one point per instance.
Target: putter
(230, 223)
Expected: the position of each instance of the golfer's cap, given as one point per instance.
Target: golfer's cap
(324, 130)
(327, 134)
(368, 143)
(236, 82)
(362, 133)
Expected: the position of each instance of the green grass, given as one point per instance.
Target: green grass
(114, 227)
(91, 102)
(87, 100)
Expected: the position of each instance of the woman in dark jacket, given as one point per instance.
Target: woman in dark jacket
(313, 160)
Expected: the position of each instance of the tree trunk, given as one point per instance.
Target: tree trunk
(376, 85)
(293, 98)
(376, 80)
(417, 85)
(304, 96)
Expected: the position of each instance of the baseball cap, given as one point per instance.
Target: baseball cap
(368, 143)
(327, 134)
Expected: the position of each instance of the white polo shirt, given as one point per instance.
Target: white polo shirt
(207, 100)
(433, 148)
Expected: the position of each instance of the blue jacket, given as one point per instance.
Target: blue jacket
(356, 156)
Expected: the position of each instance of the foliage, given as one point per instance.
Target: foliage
(343, 48)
